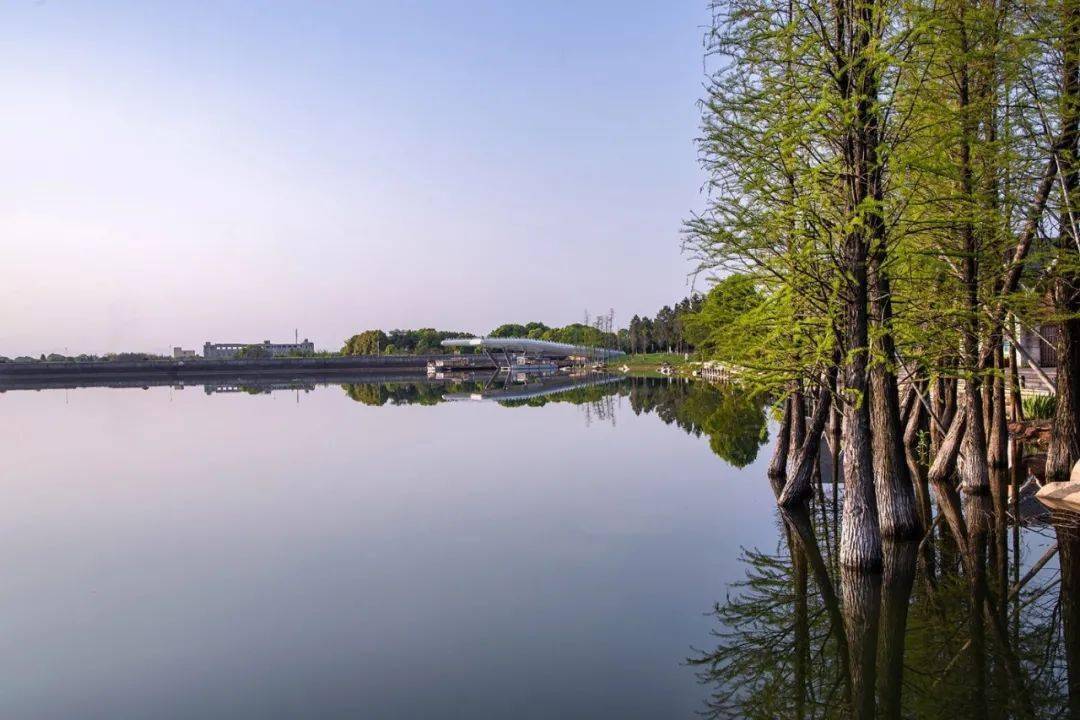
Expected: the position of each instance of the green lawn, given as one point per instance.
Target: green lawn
(649, 361)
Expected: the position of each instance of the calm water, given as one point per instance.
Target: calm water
(371, 550)
(174, 553)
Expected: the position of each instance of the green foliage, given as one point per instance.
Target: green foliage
(369, 342)
(1040, 407)
(530, 330)
(726, 324)
(253, 352)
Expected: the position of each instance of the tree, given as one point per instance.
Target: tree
(369, 342)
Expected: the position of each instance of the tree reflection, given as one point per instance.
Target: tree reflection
(732, 419)
(801, 638)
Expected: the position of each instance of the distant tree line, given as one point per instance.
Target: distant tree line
(665, 332)
(424, 341)
(83, 357)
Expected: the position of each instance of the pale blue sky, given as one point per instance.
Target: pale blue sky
(176, 172)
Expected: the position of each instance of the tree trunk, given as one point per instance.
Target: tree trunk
(778, 464)
(856, 75)
(943, 467)
(798, 426)
(897, 513)
(974, 476)
(805, 459)
(1065, 437)
(1064, 450)
(916, 466)
(1016, 405)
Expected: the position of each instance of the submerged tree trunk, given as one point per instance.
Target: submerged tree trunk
(1067, 526)
(898, 578)
(802, 627)
(861, 593)
(976, 622)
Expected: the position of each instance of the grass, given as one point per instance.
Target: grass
(646, 362)
(1039, 407)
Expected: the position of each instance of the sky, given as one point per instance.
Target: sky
(178, 172)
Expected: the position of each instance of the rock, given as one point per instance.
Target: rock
(1061, 494)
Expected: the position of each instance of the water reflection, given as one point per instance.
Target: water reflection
(959, 625)
(734, 422)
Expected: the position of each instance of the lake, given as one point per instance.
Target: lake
(379, 550)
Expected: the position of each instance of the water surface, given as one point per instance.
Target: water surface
(479, 548)
(365, 551)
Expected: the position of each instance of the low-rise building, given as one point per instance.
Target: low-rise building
(228, 351)
(180, 353)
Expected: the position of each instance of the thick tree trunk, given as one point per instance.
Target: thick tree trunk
(998, 434)
(974, 476)
(856, 76)
(1064, 450)
(897, 510)
(999, 415)
(938, 425)
(1065, 436)
(892, 482)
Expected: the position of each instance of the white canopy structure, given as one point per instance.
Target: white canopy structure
(545, 386)
(543, 348)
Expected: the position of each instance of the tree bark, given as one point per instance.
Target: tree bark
(1064, 450)
(798, 426)
(799, 487)
(943, 467)
(916, 467)
(1064, 447)
(897, 511)
(856, 75)
(778, 464)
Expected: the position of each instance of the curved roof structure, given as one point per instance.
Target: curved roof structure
(534, 347)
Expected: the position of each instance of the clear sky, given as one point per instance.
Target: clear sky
(175, 172)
